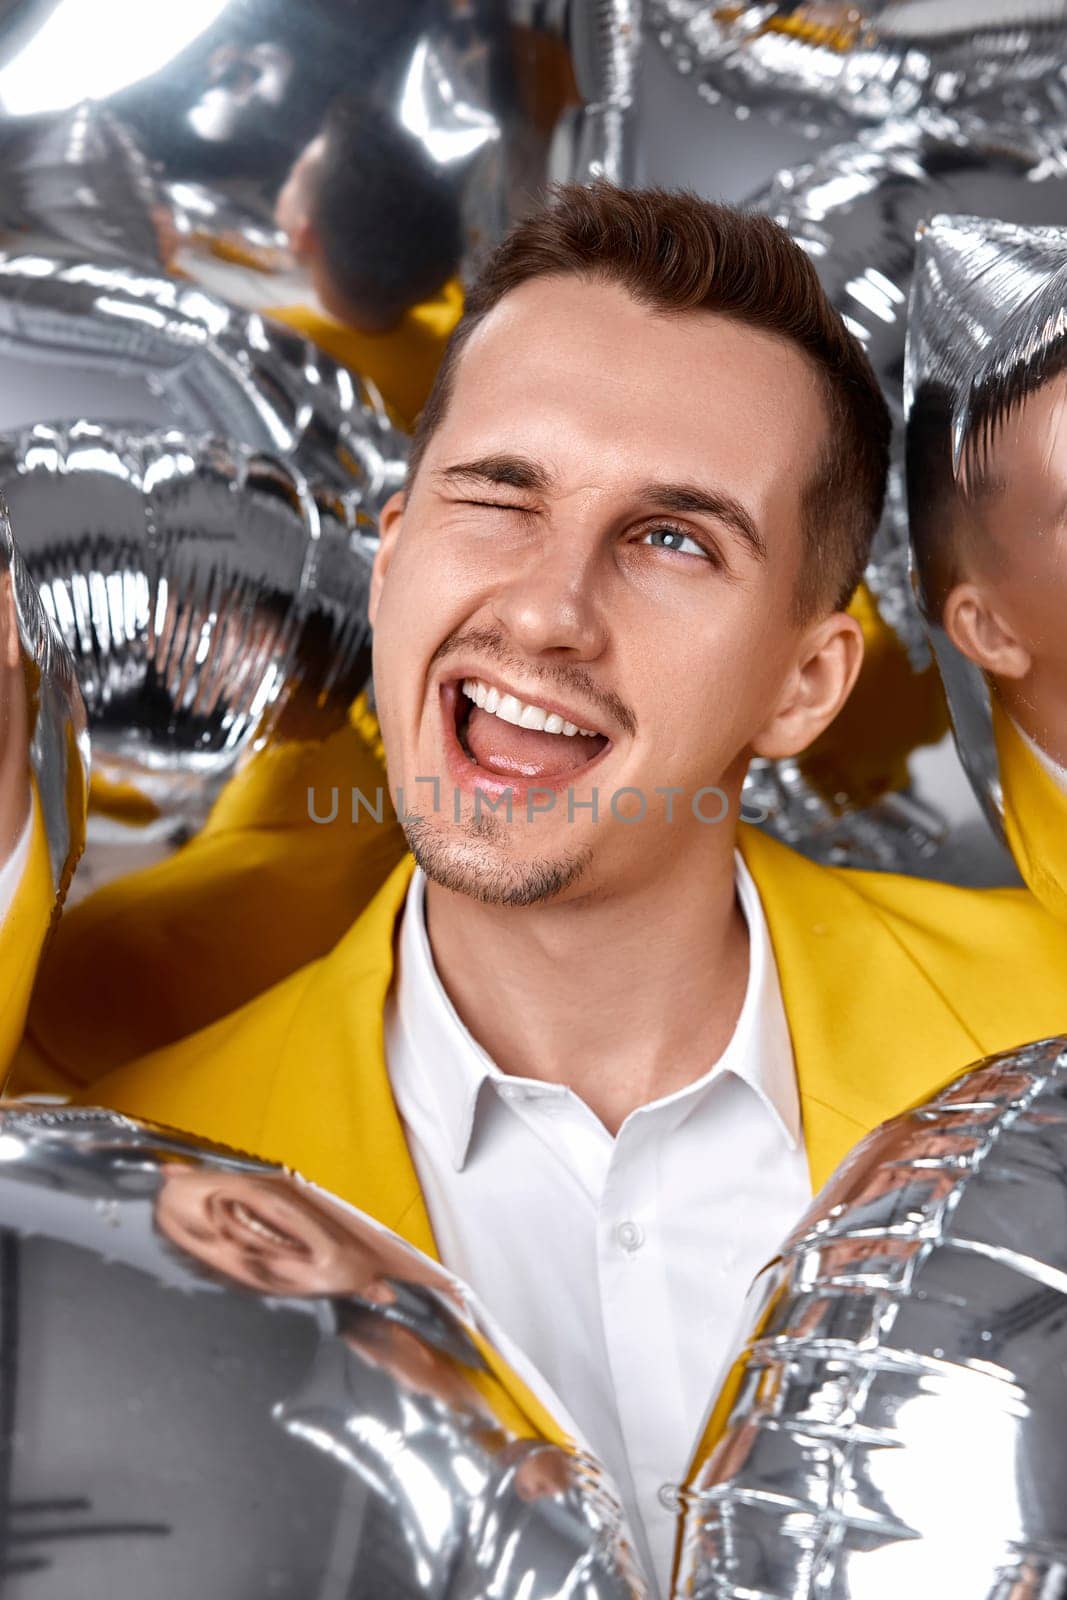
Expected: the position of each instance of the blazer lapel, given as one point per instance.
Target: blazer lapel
(330, 1106)
(872, 1033)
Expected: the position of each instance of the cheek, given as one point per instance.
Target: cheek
(705, 693)
(432, 586)
(1051, 576)
(714, 667)
(1031, 599)
(429, 592)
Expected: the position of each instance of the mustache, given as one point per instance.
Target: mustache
(493, 646)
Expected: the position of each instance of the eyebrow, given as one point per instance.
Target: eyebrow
(694, 499)
(513, 472)
(519, 472)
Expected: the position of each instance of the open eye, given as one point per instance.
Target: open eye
(668, 538)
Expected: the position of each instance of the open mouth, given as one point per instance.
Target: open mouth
(250, 1226)
(517, 740)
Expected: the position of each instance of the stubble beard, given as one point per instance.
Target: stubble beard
(472, 859)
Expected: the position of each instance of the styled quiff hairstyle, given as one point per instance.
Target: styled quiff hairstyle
(673, 251)
(949, 488)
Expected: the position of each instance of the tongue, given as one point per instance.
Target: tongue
(525, 752)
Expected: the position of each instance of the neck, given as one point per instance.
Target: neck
(624, 996)
(362, 318)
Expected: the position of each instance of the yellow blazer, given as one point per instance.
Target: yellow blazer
(401, 364)
(892, 986)
(1035, 816)
(258, 893)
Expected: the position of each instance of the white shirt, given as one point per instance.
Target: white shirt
(14, 868)
(619, 1264)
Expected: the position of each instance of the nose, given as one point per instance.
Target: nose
(552, 603)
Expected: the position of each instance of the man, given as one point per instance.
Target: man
(377, 228)
(991, 541)
(588, 1051)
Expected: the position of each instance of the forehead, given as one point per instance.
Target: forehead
(576, 371)
(1033, 427)
(1021, 473)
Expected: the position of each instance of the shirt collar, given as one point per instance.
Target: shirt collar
(435, 1032)
(759, 1052)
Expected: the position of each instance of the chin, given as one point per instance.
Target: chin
(480, 865)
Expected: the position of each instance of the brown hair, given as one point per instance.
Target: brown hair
(947, 487)
(934, 498)
(673, 251)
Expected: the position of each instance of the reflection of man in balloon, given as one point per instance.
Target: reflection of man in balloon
(991, 546)
(272, 1235)
(513, 1504)
(376, 226)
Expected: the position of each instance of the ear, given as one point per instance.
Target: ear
(827, 665)
(389, 523)
(981, 633)
(304, 240)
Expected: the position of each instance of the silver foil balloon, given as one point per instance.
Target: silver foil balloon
(76, 179)
(220, 1381)
(901, 1421)
(225, 94)
(605, 41)
(855, 211)
(985, 384)
(55, 745)
(206, 594)
(824, 62)
(99, 339)
(43, 784)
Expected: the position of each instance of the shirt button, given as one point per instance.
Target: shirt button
(630, 1235)
(669, 1498)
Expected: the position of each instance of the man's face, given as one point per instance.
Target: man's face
(607, 527)
(1018, 548)
(265, 1233)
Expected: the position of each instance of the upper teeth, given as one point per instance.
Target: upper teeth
(257, 1224)
(522, 714)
